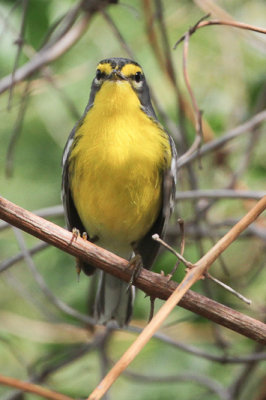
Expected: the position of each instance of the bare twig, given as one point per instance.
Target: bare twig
(234, 24)
(219, 194)
(197, 112)
(229, 289)
(47, 55)
(65, 40)
(6, 17)
(118, 34)
(151, 34)
(63, 25)
(47, 292)
(182, 247)
(167, 55)
(4, 265)
(16, 130)
(190, 265)
(253, 229)
(194, 231)
(239, 384)
(23, 291)
(31, 388)
(19, 42)
(221, 141)
(180, 257)
(224, 359)
(199, 379)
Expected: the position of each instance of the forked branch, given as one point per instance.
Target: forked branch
(153, 284)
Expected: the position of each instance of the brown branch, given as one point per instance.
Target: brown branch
(246, 127)
(182, 247)
(31, 388)
(219, 194)
(206, 275)
(233, 24)
(151, 283)
(223, 359)
(149, 20)
(197, 112)
(192, 276)
(16, 130)
(50, 53)
(19, 42)
(164, 59)
(197, 378)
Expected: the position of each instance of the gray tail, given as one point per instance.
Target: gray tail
(113, 301)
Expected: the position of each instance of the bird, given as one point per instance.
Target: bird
(119, 179)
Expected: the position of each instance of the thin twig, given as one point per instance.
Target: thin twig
(42, 285)
(221, 141)
(157, 238)
(224, 359)
(219, 194)
(199, 379)
(17, 130)
(239, 384)
(234, 24)
(118, 34)
(47, 55)
(31, 388)
(4, 265)
(188, 264)
(229, 289)
(63, 25)
(19, 42)
(182, 246)
(197, 112)
(167, 55)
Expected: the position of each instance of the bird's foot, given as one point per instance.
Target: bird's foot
(135, 265)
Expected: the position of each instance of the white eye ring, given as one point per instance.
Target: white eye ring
(137, 80)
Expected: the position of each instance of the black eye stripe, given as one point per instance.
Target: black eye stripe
(99, 74)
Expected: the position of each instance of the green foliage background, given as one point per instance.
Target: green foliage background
(227, 72)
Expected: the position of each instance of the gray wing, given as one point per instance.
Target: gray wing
(71, 215)
(147, 247)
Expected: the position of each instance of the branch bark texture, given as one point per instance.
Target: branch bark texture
(151, 283)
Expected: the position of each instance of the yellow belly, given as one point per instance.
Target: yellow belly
(116, 169)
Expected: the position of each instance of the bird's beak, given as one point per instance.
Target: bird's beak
(116, 75)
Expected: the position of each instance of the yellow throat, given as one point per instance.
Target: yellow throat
(116, 167)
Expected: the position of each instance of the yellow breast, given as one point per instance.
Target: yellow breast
(116, 167)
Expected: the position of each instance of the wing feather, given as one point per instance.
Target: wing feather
(147, 247)
(72, 217)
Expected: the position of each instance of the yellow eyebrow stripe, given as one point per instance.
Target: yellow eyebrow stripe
(105, 68)
(130, 69)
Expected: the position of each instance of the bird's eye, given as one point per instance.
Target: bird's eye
(99, 74)
(138, 76)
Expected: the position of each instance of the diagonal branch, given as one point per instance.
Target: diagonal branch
(31, 388)
(192, 276)
(233, 24)
(151, 283)
(44, 57)
(50, 53)
(246, 127)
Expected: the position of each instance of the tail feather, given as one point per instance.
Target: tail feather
(113, 301)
